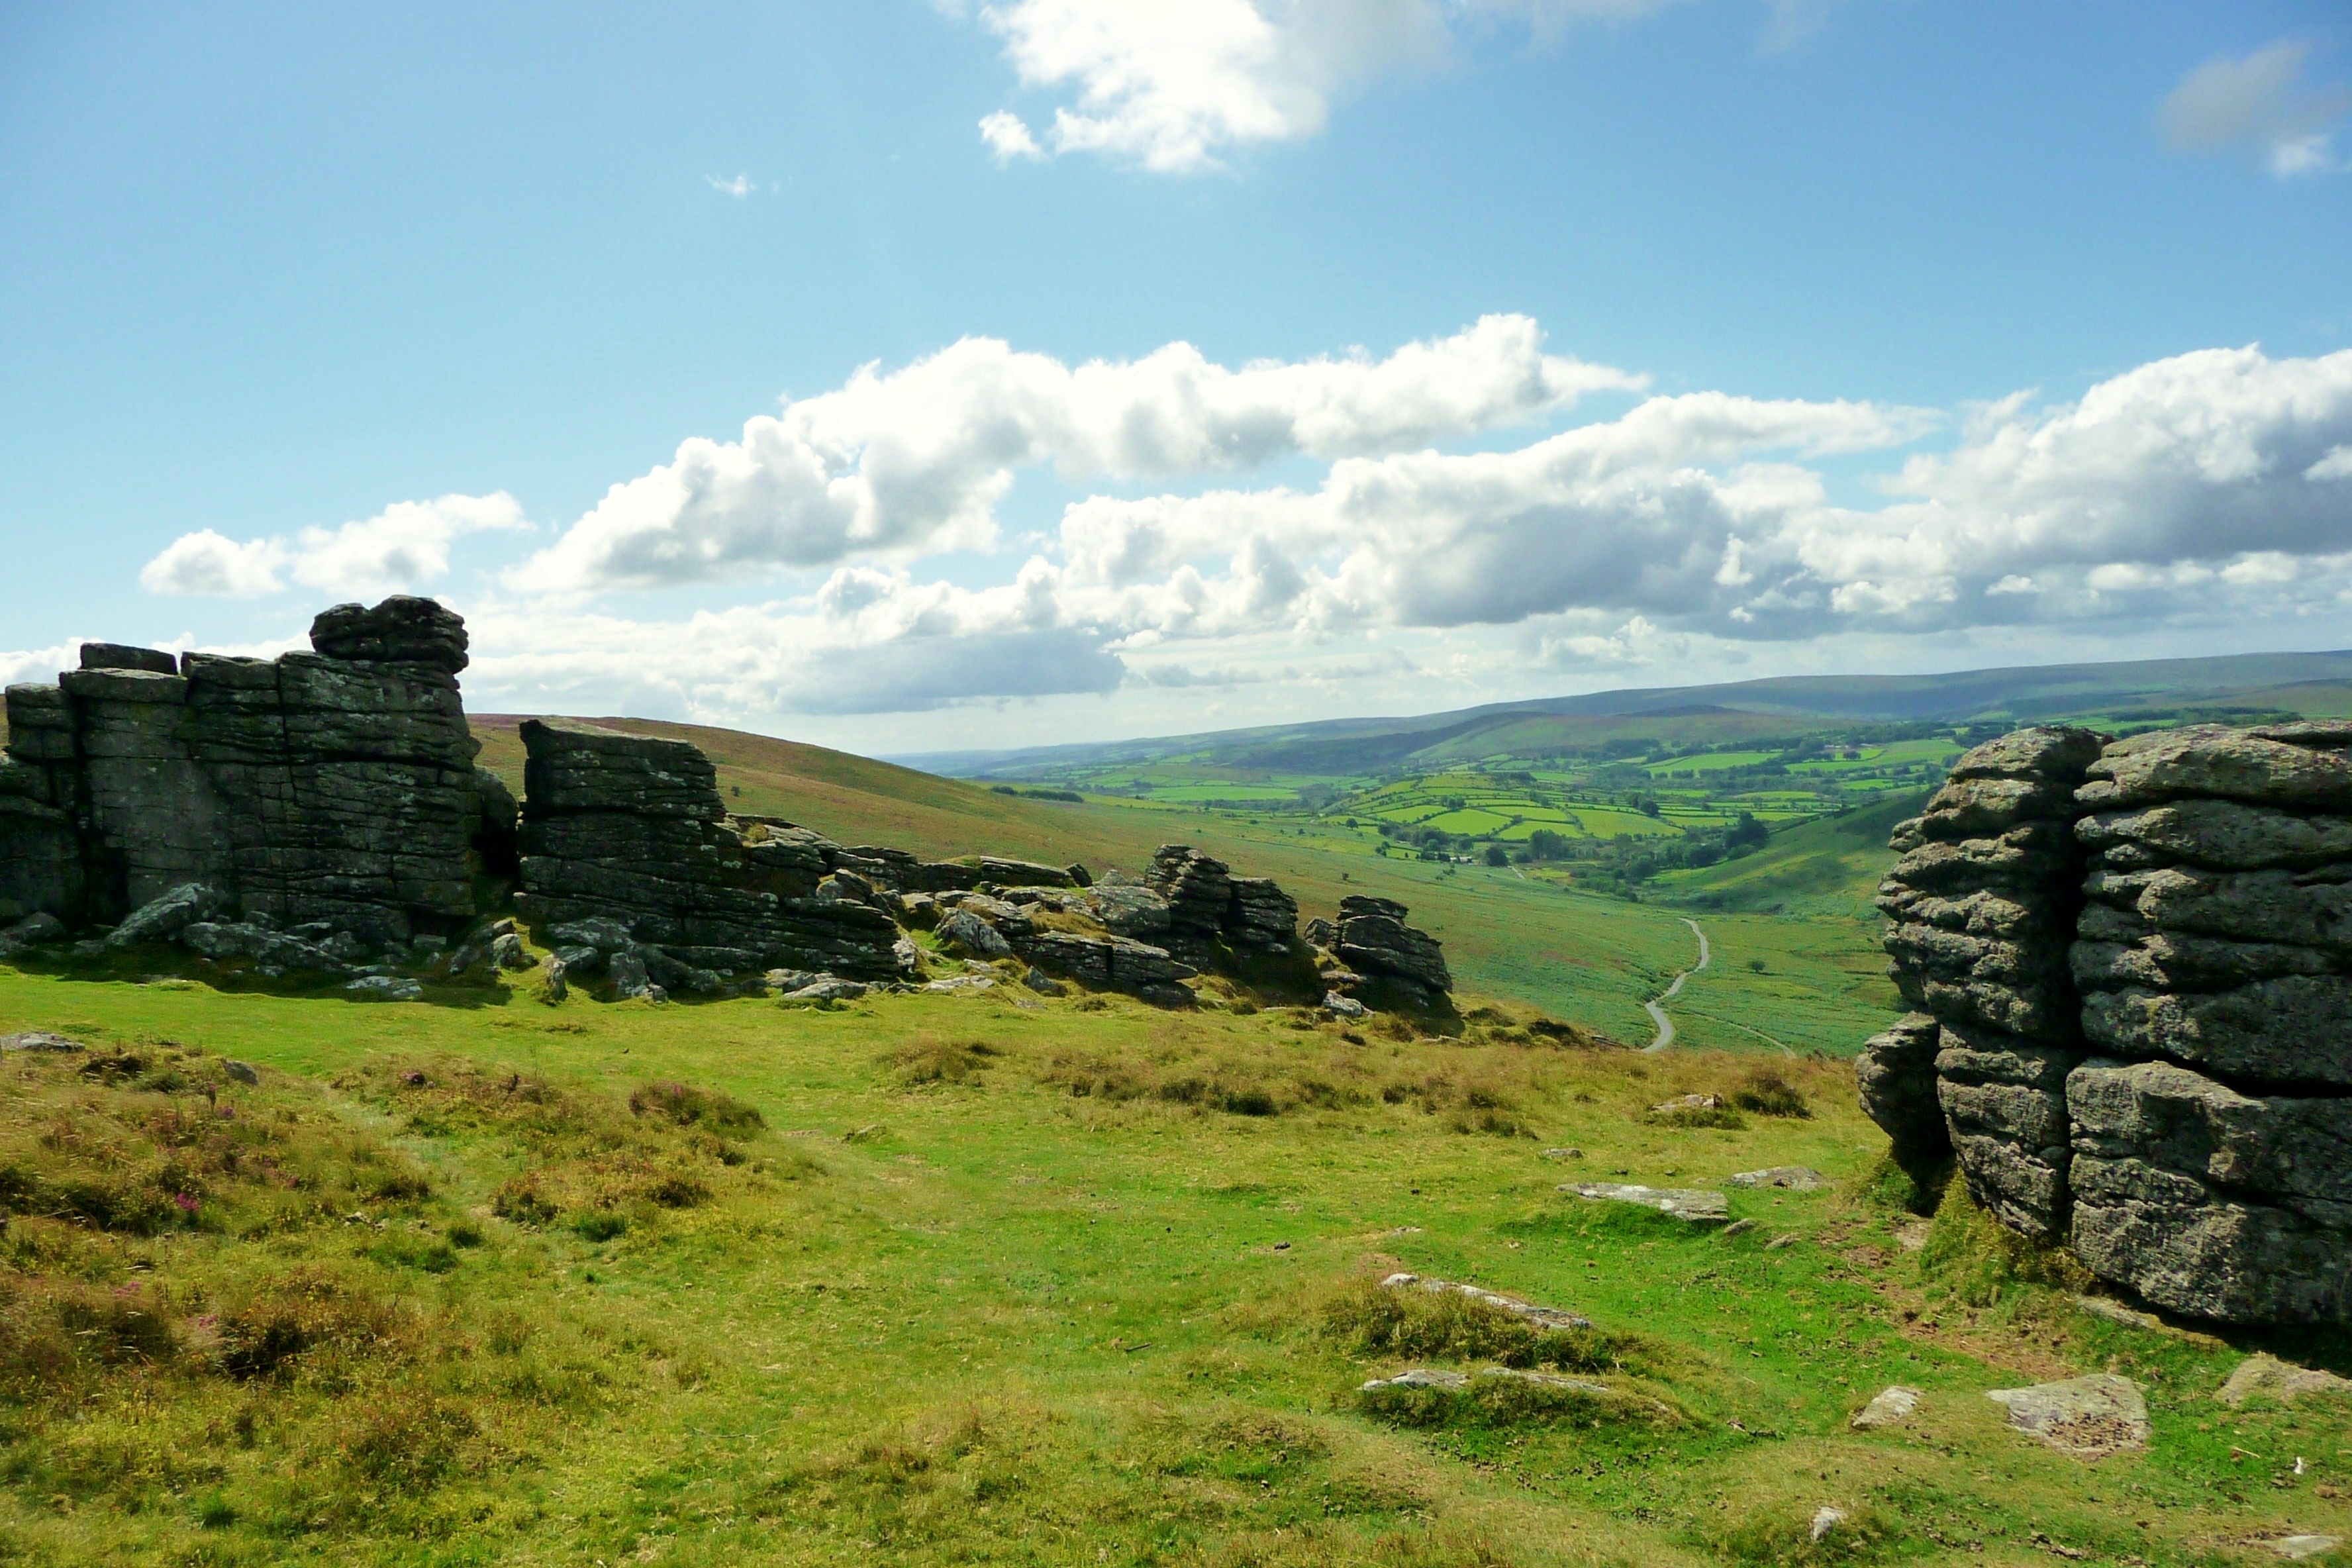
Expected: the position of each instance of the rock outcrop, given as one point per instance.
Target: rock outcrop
(1373, 939)
(2176, 1102)
(1980, 909)
(631, 829)
(334, 789)
(1897, 1074)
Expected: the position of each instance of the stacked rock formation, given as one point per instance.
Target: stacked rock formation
(1981, 908)
(1208, 907)
(334, 789)
(2177, 1103)
(630, 829)
(1398, 960)
(2214, 955)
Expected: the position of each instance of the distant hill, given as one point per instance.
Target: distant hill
(2304, 682)
(1828, 867)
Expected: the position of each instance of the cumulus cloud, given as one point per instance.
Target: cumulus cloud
(2259, 105)
(1007, 137)
(737, 187)
(918, 459)
(405, 546)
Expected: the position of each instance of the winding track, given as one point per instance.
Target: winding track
(1657, 1010)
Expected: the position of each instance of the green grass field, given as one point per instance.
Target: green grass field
(948, 1280)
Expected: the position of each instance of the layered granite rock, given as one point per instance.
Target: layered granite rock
(335, 788)
(1980, 909)
(1392, 957)
(2212, 1145)
(630, 828)
(1199, 892)
(1895, 1071)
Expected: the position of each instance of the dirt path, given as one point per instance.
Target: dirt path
(1657, 1009)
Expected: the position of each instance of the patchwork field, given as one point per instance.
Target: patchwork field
(1014, 1279)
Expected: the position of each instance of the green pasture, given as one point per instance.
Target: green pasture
(1016, 1279)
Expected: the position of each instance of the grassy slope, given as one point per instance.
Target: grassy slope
(1594, 959)
(1830, 867)
(1008, 1322)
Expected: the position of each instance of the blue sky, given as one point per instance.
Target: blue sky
(304, 304)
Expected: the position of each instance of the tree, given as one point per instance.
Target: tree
(1543, 844)
(1498, 856)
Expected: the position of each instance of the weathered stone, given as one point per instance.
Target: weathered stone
(2088, 1417)
(1895, 1071)
(1374, 939)
(1322, 932)
(383, 988)
(223, 941)
(1114, 962)
(2172, 961)
(118, 656)
(2043, 751)
(2288, 1030)
(1691, 1204)
(1261, 917)
(38, 1040)
(1990, 807)
(400, 630)
(1890, 1406)
(2262, 1374)
(243, 1072)
(1541, 1317)
(1126, 908)
(629, 976)
(2212, 762)
(964, 931)
(2219, 835)
(2210, 1202)
(167, 915)
(2004, 1100)
(1789, 1178)
(1420, 1377)
(557, 978)
(1343, 1007)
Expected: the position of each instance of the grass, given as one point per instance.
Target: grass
(928, 1279)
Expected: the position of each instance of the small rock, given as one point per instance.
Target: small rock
(1911, 1235)
(241, 1071)
(1420, 1377)
(831, 988)
(385, 988)
(956, 983)
(2283, 1380)
(1343, 1007)
(1890, 1407)
(507, 952)
(1688, 1102)
(2116, 1313)
(559, 984)
(1739, 1227)
(94, 948)
(2089, 1417)
(34, 930)
(164, 917)
(2300, 1547)
(1563, 1153)
(1040, 982)
(1779, 1242)
(1826, 1519)
(629, 978)
(38, 1040)
(965, 933)
(1793, 1178)
(1693, 1205)
(1543, 1317)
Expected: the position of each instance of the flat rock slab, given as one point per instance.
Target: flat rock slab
(2281, 1380)
(1455, 1381)
(1793, 1178)
(2302, 1548)
(385, 988)
(1890, 1407)
(2089, 1417)
(956, 983)
(1542, 1316)
(38, 1040)
(1693, 1204)
(2116, 1313)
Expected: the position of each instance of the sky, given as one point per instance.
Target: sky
(912, 376)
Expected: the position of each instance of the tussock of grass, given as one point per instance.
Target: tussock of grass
(927, 1059)
(1504, 1402)
(1767, 1093)
(1361, 1318)
(1971, 1258)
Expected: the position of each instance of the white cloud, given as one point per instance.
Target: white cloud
(737, 187)
(405, 546)
(1170, 84)
(208, 563)
(40, 664)
(2259, 105)
(916, 460)
(1007, 137)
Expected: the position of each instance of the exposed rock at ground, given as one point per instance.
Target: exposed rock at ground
(965, 931)
(1374, 940)
(1790, 1178)
(1343, 1007)
(243, 1072)
(385, 988)
(1198, 890)
(958, 984)
(1420, 1377)
(1895, 1072)
(168, 914)
(1261, 917)
(1682, 1104)
(335, 785)
(1695, 1205)
(38, 1040)
(1826, 1518)
(1890, 1406)
(2089, 1417)
(558, 979)
(2302, 1548)
(2282, 1381)
(1542, 1316)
